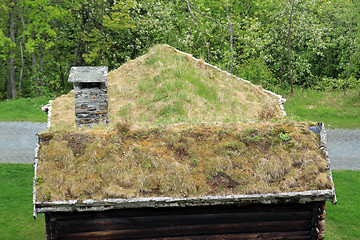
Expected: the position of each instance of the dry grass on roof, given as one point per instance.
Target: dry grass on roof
(167, 87)
(184, 160)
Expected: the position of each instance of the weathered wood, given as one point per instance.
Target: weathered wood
(250, 227)
(157, 202)
(200, 229)
(318, 221)
(48, 230)
(294, 221)
(324, 148)
(110, 223)
(302, 235)
(130, 222)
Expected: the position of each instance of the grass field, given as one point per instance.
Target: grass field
(332, 108)
(16, 205)
(343, 219)
(23, 109)
(16, 221)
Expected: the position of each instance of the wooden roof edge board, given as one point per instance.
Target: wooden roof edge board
(281, 99)
(35, 173)
(155, 202)
(324, 148)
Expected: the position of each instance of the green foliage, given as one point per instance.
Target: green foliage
(284, 136)
(39, 180)
(323, 39)
(331, 84)
(16, 207)
(4, 41)
(256, 71)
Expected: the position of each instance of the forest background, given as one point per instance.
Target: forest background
(280, 44)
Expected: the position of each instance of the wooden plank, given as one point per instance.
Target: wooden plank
(63, 216)
(119, 223)
(48, 230)
(220, 208)
(299, 235)
(172, 231)
(185, 222)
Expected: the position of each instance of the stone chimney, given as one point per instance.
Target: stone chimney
(90, 92)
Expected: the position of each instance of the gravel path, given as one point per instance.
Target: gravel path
(18, 141)
(344, 148)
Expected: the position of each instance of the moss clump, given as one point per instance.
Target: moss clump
(184, 160)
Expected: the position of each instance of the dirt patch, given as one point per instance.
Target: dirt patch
(77, 142)
(221, 180)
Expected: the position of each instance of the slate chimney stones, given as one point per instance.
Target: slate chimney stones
(90, 92)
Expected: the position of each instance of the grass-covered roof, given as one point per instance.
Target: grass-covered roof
(178, 128)
(166, 86)
(180, 161)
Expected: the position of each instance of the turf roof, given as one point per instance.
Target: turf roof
(175, 131)
(166, 86)
(180, 161)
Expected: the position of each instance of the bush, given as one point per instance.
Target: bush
(330, 84)
(256, 71)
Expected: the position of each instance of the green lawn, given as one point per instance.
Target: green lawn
(343, 219)
(23, 109)
(16, 207)
(332, 108)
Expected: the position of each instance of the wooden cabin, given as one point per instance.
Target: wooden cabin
(223, 166)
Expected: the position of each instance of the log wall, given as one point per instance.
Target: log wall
(290, 221)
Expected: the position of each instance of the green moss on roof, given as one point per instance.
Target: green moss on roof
(180, 161)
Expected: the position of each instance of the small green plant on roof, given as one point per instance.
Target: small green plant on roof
(47, 195)
(284, 136)
(38, 180)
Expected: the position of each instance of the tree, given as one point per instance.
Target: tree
(7, 41)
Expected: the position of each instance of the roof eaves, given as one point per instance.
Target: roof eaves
(154, 202)
(324, 148)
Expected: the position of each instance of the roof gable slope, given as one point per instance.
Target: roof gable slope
(166, 86)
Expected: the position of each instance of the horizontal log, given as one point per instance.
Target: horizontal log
(119, 223)
(66, 216)
(185, 222)
(155, 202)
(172, 231)
(299, 235)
